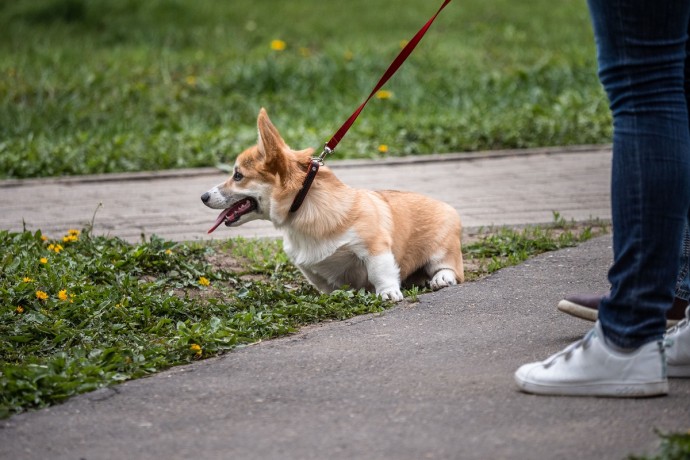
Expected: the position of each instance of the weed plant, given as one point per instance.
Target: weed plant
(92, 86)
(673, 446)
(81, 312)
(504, 246)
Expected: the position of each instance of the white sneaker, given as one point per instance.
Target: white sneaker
(678, 351)
(589, 367)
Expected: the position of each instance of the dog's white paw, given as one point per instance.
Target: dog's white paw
(443, 278)
(393, 294)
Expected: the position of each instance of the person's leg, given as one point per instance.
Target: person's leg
(641, 53)
(586, 305)
(678, 337)
(683, 280)
(641, 48)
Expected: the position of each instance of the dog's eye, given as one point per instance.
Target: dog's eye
(237, 176)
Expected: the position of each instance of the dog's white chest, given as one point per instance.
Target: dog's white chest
(305, 250)
(339, 260)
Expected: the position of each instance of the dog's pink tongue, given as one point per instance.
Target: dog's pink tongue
(220, 219)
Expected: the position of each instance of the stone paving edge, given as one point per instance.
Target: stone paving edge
(395, 161)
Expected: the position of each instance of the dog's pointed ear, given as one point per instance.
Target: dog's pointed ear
(272, 149)
(270, 141)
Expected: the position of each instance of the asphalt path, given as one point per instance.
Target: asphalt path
(431, 379)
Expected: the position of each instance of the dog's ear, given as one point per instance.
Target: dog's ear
(272, 148)
(270, 143)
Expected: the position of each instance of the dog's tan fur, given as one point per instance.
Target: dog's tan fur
(340, 235)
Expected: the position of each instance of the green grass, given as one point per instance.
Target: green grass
(89, 86)
(97, 311)
(501, 247)
(673, 446)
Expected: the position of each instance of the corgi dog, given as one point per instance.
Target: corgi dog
(340, 236)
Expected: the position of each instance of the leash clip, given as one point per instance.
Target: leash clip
(326, 151)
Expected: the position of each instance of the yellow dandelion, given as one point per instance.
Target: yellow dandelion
(383, 148)
(196, 349)
(40, 295)
(190, 80)
(384, 94)
(168, 251)
(278, 45)
(204, 281)
(62, 295)
(44, 238)
(55, 248)
(43, 260)
(26, 279)
(70, 238)
(19, 309)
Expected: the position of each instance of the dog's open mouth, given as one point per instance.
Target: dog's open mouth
(234, 212)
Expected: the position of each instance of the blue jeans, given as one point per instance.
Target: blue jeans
(683, 280)
(641, 51)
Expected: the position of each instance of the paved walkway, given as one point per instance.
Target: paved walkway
(425, 380)
(428, 380)
(491, 188)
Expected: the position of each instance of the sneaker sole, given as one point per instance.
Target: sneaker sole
(614, 390)
(590, 314)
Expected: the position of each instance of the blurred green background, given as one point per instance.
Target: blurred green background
(90, 86)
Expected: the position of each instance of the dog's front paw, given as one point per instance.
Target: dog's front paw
(443, 278)
(393, 294)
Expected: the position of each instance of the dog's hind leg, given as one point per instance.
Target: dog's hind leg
(445, 269)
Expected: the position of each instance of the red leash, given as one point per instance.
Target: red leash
(337, 137)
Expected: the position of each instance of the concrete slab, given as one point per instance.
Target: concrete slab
(494, 188)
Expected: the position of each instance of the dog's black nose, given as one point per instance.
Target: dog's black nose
(205, 197)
